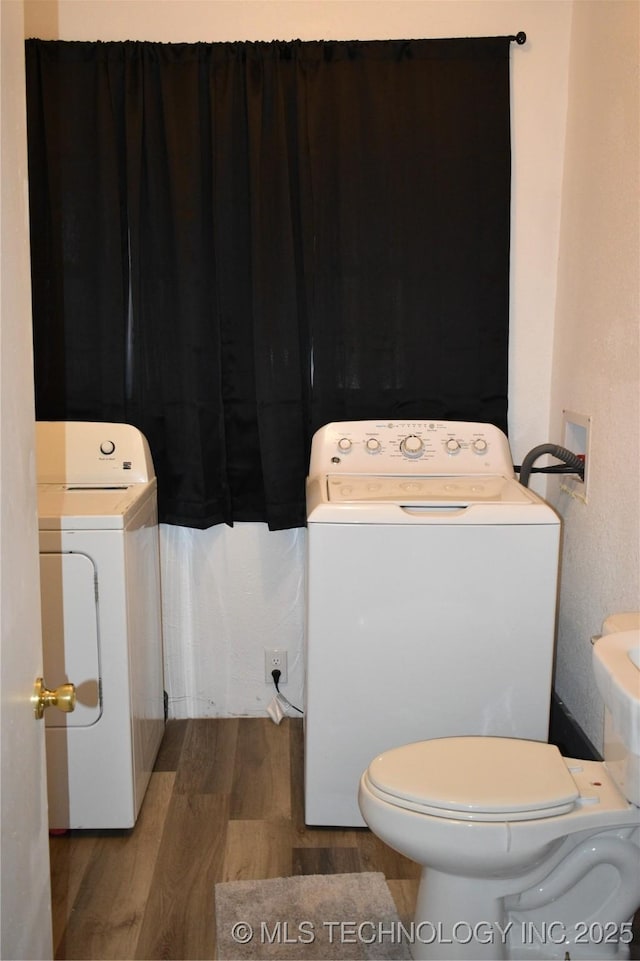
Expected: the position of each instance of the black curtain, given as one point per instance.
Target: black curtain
(233, 244)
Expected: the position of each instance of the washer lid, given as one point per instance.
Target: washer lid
(424, 489)
(476, 778)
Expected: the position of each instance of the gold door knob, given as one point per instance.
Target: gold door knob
(64, 698)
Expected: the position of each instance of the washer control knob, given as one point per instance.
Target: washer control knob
(344, 444)
(107, 447)
(452, 446)
(373, 445)
(480, 445)
(411, 445)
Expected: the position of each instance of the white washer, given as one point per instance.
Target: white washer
(101, 619)
(431, 596)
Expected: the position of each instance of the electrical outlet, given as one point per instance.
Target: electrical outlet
(275, 660)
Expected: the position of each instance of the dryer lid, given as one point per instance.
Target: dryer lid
(89, 507)
(476, 778)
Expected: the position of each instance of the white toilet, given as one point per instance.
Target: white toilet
(525, 853)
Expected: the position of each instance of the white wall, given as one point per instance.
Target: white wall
(219, 620)
(596, 353)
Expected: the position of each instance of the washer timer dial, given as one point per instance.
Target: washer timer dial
(411, 445)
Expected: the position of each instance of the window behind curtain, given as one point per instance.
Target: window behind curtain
(233, 244)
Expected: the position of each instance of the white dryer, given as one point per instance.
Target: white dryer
(431, 597)
(101, 619)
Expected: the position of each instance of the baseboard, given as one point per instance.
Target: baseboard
(567, 735)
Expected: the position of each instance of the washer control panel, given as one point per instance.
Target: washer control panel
(406, 447)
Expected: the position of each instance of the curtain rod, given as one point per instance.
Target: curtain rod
(519, 38)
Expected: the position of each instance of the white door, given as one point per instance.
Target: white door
(25, 897)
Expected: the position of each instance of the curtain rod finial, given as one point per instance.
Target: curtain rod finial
(521, 37)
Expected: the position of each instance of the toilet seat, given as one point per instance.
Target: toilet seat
(475, 779)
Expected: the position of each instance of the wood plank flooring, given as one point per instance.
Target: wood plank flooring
(225, 803)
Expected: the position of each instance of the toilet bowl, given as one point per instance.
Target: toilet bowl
(524, 853)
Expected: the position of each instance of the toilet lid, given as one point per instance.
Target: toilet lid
(476, 778)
